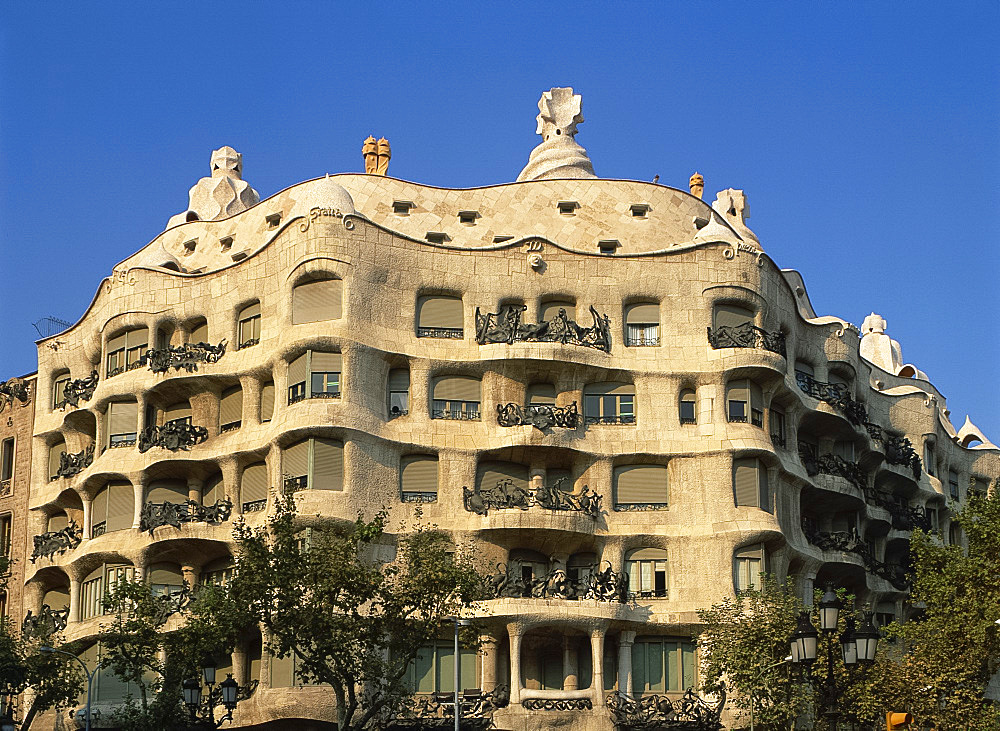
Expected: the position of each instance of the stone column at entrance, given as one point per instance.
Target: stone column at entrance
(597, 651)
(489, 662)
(625, 641)
(514, 632)
(570, 670)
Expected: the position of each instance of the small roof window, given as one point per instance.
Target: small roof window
(226, 242)
(468, 217)
(639, 210)
(567, 208)
(437, 237)
(190, 246)
(273, 220)
(608, 246)
(500, 238)
(403, 208)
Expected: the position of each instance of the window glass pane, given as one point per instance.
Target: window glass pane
(673, 666)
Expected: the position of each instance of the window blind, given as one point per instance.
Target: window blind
(57, 522)
(551, 309)
(323, 362)
(440, 311)
(267, 402)
(231, 408)
(419, 473)
(456, 388)
(123, 417)
(121, 497)
(732, 315)
(254, 484)
(490, 473)
(295, 459)
(641, 484)
(55, 452)
(297, 370)
(316, 301)
(213, 490)
(328, 465)
(745, 485)
(199, 334)
(644, 314)
(542, 394)
(167, 491)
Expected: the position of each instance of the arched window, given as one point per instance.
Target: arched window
(541, 394)
(267, 402)
(112, 508)
(418, 478)
(688, 414)
(248, 326)
(398, 387)
(749, 563)
(440, 316)
(253, 488)
(750, 483)
(122, 424)
(315, 463)
(231, 409)
(550, 310)
(731, 317)
(127, 351)
(953, 484)
(642, 325)
(647, 572)
(55, 457)
(456, 397)
(199, 334)
(59, 381)
(179, 413)
(609, 403)
(744, 402)
(640, 486)
(316, 300)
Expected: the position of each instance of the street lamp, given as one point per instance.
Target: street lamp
(90, 677)
(228, 695)
(458, 672)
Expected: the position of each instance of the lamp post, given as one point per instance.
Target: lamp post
(759, 676)
(228, 694)
(90, 676)
(458, 672)
(857, 646)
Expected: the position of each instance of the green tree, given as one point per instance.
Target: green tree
(354, 605)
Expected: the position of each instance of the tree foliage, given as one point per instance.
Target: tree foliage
(354, 605)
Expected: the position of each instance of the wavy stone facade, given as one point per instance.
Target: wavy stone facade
(700, 425)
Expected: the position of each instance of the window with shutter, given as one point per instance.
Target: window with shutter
(248, 324)
(6, 534)
(324, 374)
(641, 486)
(59, 389)
(550, 310)
(295, 465)
(744, 400)
(609, 403)
(57, 522)
(267, 402)
(55, 454)
(456, 397)
(92, 594)
(327, 465)
(541, 394)
(642, 325)
(167, 491)
(777, 420)
(7, 460)
(115, 356)
(165, 579)
(732, 316)
(505, 475)
(687, 407)
(253, 488)
(179, 413)
(298, 371)
(647, 572)
(953, 484)
(748, 564)
(213, 491)
(399, 392)
(440, 317)
(136, 345)
(123, 419)
(661, 665)
(316, 301)
(231, 409)
(750, 483)
(199, 334)
(418, 478)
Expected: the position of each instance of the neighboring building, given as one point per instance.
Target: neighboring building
(17, 407)
(580, 374)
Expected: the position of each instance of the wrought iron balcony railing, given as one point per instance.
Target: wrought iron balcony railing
(46, 623)
(154, 515)
(81, 389)
(173, 435)
(831, 464)
(506, 326)
(117, 441)
(898, 449)
(98, 529)
(12, 389)
(448, 333)
(603, 586)
(411, 496)
(186, 356)
(557, 704)
(437, 711)
(255, 506)
(455, 414)
(746, 335)
(639, 507)
(294, 484)
(619, 420)
(231, 426)
(74, 464)
(540, 416)
(248, 343)
(551, 497)
(836, 394)
(851, 542)
(660, 712)
(642, 341)
(51, 542)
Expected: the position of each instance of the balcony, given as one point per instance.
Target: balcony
(654, 712)
(447, 333)
(455, 414)
(46, 623)
(74, 464)
(850, 542)
(255, 506)
(437, 710)
(551, 497)
(898, 449)
(411, 496)
(834, 394)
(746, 336)
(81, 389)
(831, 464)
(173, 436)
(186, 357)
(618, 420)
(50, 543)
(540, 416)
(519, 581)
(506, 326)
(155, 515)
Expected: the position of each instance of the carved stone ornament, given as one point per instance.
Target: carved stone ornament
(14, 390)
(172, 435)
(184, 356)
(81, 389)
(50, 543)
(551, 497)
(660, 713)
(559, 155)
(155, 515)
(223, 194)
(506, 326)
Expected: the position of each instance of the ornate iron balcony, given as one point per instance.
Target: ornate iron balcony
(904, 517)
(604, 586)
(255, 506)
(506, 326)
(557, 704)
(455, 414)
(850, 542)
(540, 416)
(419, 497)
(746, 335)
(619, 420)
(183, 356)
(325, 394)
(642, 341)
(99, 529)
(659, 712)
(117, 441)
(778, 440)
(81, 389)
(639, 507)
(449, 333)
(248, 343)
(74, 464)
(14, 389)
(50, 543)
(898, 449)
(835, 394)
(551, 497)
(46, 623)
(831, 464)
(437, 711)
(173, 435)
(154, 515)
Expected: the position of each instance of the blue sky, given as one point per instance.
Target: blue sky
(865, 134)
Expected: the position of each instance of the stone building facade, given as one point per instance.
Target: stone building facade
(606, 385)
(17, 406)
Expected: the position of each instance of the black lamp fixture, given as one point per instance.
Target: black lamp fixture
(227, 694)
